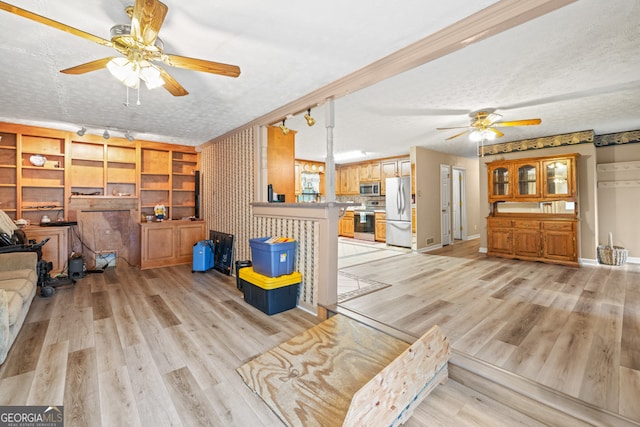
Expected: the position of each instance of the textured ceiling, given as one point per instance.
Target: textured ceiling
(576, 68)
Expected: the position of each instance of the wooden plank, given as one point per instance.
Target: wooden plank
(310, 379)
(391, 396)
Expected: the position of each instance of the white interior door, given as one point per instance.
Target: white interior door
(445, 204)
(458, 204)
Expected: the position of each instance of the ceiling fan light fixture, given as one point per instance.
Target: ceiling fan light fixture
(478, 135)
(150, 74)
(125, 71)
(310, 120)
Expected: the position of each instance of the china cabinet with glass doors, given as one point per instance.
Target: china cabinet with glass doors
(533, 209)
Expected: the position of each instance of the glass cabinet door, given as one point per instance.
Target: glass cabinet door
(500, 182)
(557, 175)
(527, 180)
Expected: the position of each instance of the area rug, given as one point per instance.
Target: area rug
(365, 286)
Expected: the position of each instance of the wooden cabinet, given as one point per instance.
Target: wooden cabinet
(389, 169)
(281, 162)
(533, 180)
(169, 242)
(349, 180)
(369, 172)
(345, 225)
(533, 205)
(559, 178)
(380, 219)
(527, 238)
(183, 184)
(57, 249)
(559, 241)
(499, 237)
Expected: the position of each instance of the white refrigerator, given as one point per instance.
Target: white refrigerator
(398, 206)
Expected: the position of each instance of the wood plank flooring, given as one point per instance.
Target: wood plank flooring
(575, 330)
(160, 347)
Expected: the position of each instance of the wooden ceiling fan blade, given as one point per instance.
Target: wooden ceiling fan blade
(55, 24)
(457, 135)
(201, 65)
(527, 122)
(88, 67)
(148, 16)
(171, 84)
(497, 132)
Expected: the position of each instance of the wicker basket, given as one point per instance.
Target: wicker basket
(612, 255)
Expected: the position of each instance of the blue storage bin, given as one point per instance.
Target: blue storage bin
(273, 259)
(203, 256)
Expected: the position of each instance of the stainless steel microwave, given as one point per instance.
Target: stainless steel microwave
(370, 188)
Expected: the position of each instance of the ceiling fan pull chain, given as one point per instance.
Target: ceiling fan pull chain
(126, 102)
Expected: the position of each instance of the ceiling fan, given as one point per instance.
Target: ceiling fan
(484, 123)
(140, 45)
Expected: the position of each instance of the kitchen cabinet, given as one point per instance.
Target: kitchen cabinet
(389, 169)
(369, 171)
(169, 242)
(404, 167)
(349, 182)
(380, 219)
(345, 225)
(281, 162)
(57, 249)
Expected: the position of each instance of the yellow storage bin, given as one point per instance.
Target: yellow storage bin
(270, 295)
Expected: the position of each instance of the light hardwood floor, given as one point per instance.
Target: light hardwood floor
(575, 330)
(161, 347)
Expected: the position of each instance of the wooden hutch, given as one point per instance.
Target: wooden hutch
(533, 213)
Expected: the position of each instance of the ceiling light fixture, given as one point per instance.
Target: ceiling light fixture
(310, 120)
(129, 72)
(106, 135)
(129, 137)
(478, 135)
(82, 131)
(285, 130)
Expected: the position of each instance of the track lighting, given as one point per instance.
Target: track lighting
(128, 135)
(106, 135)
(310, 120)
(285, 130)
(82, 131)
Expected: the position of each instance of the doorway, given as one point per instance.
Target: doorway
(458, 183)
(445, 204)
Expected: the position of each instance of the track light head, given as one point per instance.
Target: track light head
(82, 131)
(106, 135)
(285, 130)
(129, 137)
(310, 120)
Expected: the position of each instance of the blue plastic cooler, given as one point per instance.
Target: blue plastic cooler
(203, 256)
